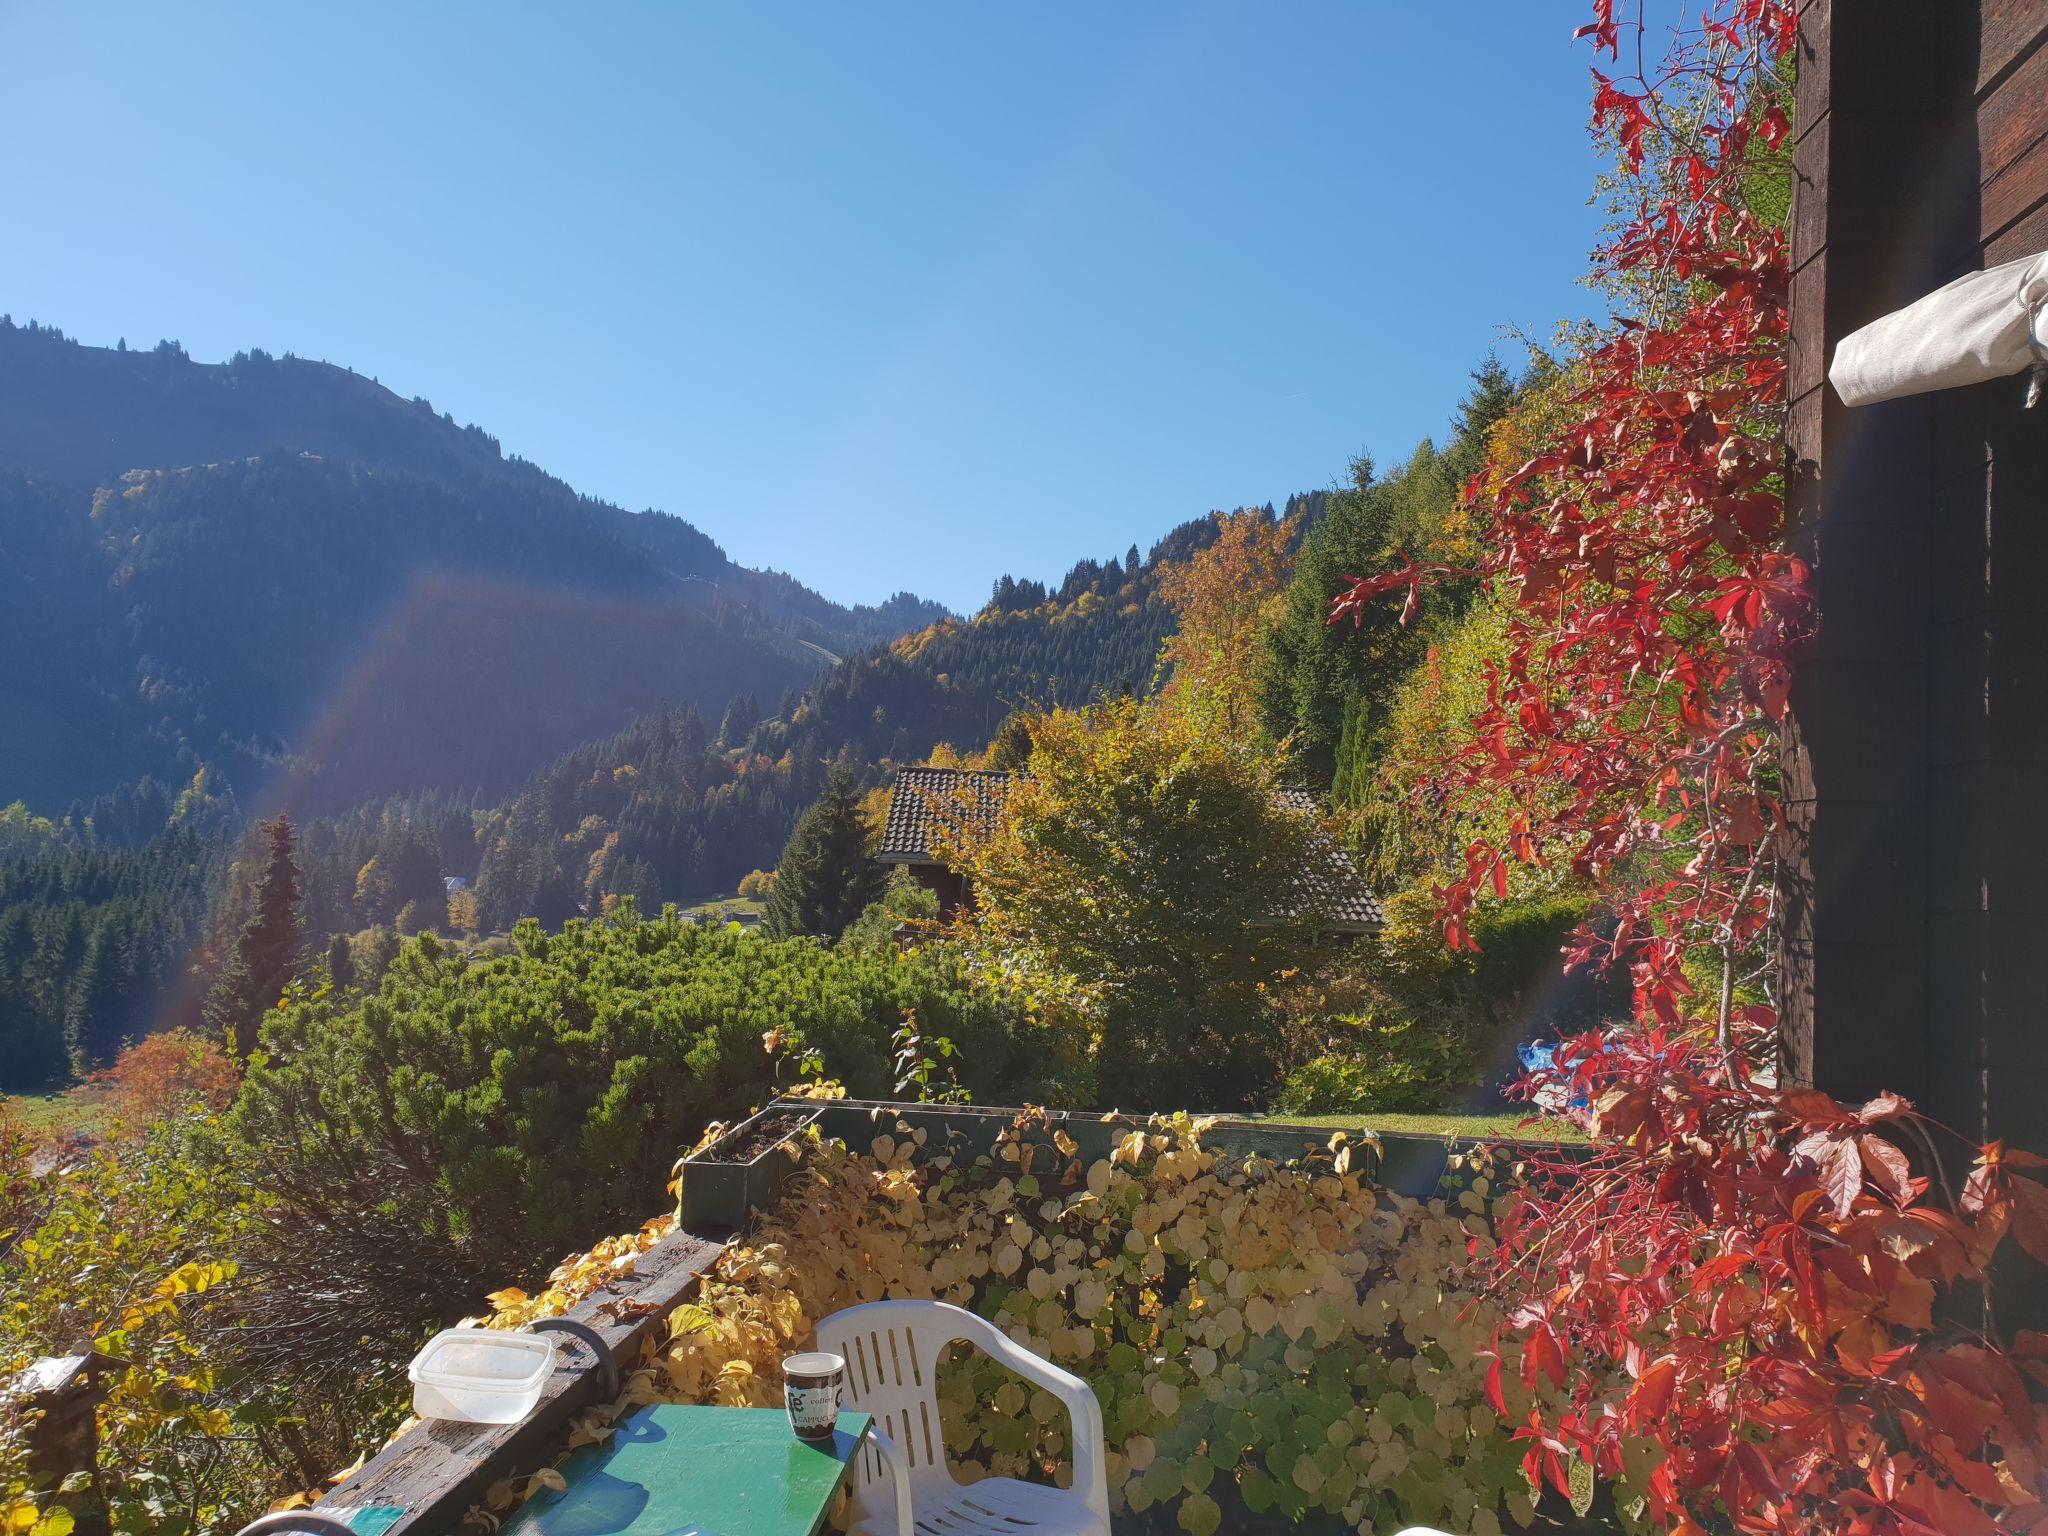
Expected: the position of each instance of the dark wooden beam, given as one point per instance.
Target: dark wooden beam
(1882, 192)
(1917, 830)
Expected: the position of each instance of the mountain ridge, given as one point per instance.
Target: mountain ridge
(188, 549)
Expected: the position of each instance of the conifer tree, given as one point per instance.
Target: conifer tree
(741, 716)
(1010, 748)
(827, 876)
(341, 963)
(266, 952)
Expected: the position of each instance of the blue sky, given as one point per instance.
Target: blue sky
(885, 295)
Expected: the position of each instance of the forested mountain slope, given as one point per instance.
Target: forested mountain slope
(113, 916)
(277, 566)
(1096, 633)
(668, 810)
(444, 663)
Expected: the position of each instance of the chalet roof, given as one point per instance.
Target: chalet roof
(1338, 888)
(914, 809)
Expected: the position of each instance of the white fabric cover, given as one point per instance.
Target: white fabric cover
(1984, 326)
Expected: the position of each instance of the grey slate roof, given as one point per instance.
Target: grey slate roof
(919, 796)
(1339, 890)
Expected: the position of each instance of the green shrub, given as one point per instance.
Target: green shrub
(1389, 1063)
(137, 1252)
(512, 1104)
(902, 901)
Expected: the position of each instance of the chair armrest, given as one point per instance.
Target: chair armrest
(1091, 1471)
(896, 1521)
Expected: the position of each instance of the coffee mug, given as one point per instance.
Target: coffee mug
(810, 1386)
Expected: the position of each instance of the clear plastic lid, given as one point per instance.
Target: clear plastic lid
(480, 1358)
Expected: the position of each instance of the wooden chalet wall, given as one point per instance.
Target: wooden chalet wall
(1916, 950)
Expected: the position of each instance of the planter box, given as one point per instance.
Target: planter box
(720, 1195)
(973, 1129)
(1405, 1162)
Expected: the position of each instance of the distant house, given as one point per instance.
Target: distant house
(921, 796)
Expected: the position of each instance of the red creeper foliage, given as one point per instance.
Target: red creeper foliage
(1799, 1322)
(1780, 1299)
(1654, 612)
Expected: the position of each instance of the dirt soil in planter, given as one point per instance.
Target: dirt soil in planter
(758, 1139)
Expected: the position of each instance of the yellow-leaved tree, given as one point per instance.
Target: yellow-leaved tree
(1223, 599)
(1145, 872)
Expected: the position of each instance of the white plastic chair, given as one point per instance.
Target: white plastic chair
(901, 1485)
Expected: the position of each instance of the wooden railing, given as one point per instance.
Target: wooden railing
(437, 1470)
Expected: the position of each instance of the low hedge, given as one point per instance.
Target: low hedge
(1273, 1345)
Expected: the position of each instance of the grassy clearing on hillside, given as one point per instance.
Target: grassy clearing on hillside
(726, 909)
(85, 1110)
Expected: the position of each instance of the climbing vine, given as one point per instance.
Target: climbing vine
(1767, 1309)
(1651, 609)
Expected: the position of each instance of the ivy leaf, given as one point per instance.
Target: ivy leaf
(1652, 1395)
(1199, 1515)
(1887, 1167)
(1493, 1387)
(1886, 1106)
(1841, 1174)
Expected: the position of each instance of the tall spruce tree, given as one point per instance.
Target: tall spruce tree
(266, 953)
(741, 716)
(827, 876)
(341, 963)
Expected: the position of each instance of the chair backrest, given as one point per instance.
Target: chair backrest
(892, 1351)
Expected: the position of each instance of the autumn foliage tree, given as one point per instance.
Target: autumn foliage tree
(168, 1072)
(1775, 1308)
(1221, 599)
(1145, 872)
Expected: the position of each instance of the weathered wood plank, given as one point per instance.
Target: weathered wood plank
(2013, 119)
(1809, 222)
(1807, 355)
(1810, 85)
(2008, 29)
(2016, 191)
(2026, 236)
(437, 1470)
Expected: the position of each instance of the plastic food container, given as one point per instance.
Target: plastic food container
(476, 1376)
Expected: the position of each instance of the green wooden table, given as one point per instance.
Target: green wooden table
(671, 1469)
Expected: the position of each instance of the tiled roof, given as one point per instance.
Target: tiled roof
(921, 795)
(1340, 891)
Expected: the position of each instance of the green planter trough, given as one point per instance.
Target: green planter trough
(744, 1170)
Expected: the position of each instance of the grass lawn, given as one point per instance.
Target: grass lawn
(84, 1109)
(725, 909)
(1483, 1127)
